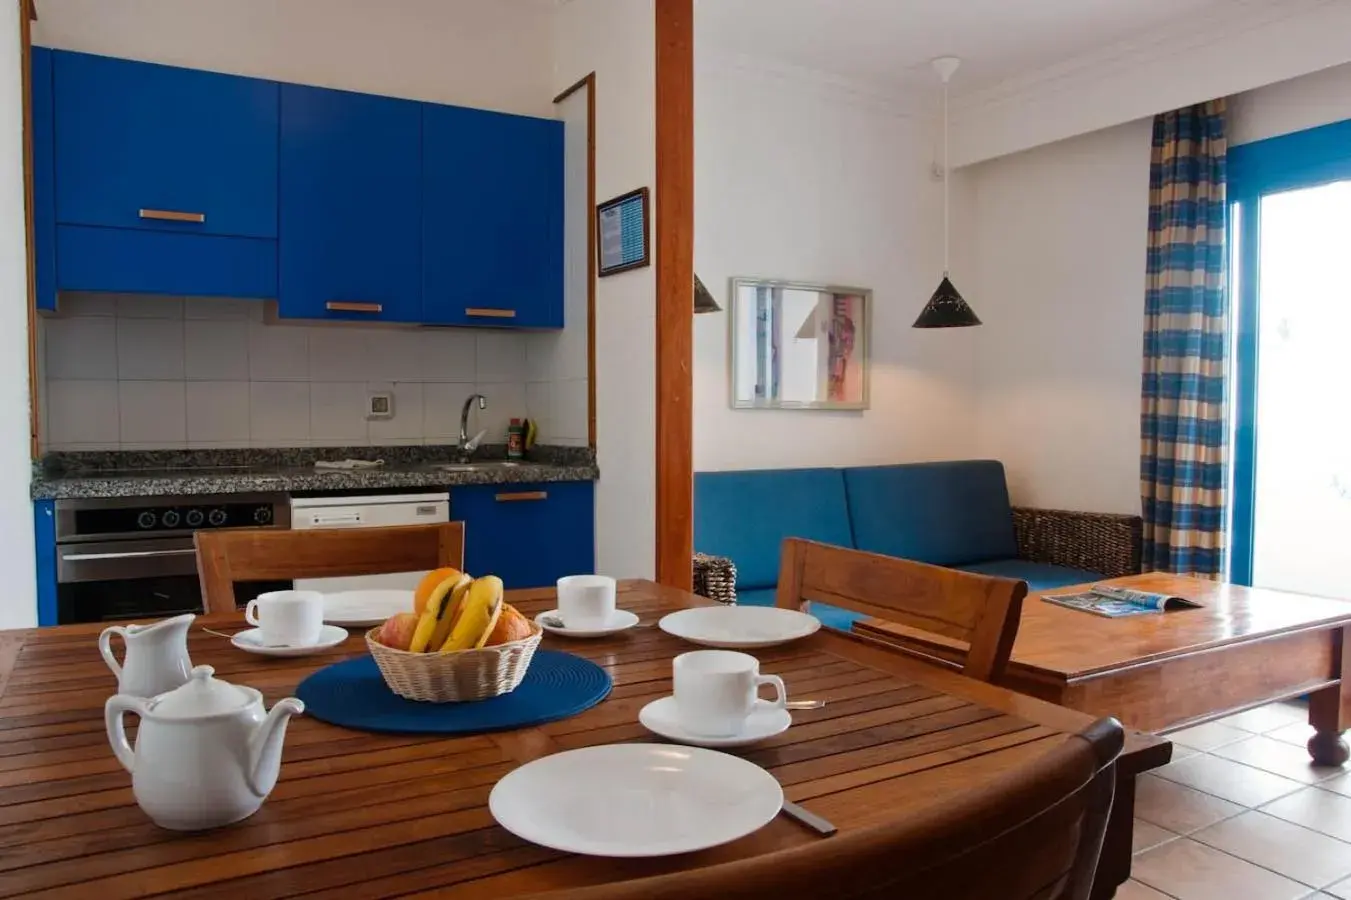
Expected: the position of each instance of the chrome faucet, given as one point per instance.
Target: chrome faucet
(466, 447)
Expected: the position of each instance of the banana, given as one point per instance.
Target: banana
(432, 614)
(451, 613)
(478, 613)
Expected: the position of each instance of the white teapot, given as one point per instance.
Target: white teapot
(206, 754)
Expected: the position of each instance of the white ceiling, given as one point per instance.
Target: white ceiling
(890, 42)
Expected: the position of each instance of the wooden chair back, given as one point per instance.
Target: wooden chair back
(981, 610)
(1036, 834)
(264, 554)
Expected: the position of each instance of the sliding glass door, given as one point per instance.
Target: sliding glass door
(1292, 301)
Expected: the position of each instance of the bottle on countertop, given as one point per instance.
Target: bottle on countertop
(516, 439)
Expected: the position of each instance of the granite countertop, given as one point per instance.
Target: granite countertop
(162, 473)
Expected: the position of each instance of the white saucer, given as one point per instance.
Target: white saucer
(765, 721)
(365, 608)
(739, 627)
(251, 641)
(620, 620)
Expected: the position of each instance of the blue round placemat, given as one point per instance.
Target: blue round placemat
(352, 694)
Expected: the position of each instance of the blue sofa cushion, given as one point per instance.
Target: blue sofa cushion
(1039, 576)
(944, 513)
(830, 616)
(746, 516)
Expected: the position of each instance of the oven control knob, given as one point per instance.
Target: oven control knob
(146, 519)
(216, 517)
(195, 518)
(170, 518)
(263, 515)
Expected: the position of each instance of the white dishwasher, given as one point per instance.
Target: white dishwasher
(368, 511)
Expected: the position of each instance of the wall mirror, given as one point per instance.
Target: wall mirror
(799, 346)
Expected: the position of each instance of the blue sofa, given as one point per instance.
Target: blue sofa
(953, 514)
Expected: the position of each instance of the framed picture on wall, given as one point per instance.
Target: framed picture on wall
(621, 233)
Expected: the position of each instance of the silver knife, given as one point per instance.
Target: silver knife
(808, 818)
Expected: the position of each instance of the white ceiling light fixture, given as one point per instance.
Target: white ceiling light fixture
(946, 308)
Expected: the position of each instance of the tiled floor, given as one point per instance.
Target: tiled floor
(1242, 814)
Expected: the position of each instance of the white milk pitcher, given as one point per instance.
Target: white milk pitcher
(156, 659)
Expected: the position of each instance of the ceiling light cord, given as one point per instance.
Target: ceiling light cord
(947, 175)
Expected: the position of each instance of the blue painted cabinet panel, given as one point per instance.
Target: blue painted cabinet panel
(493, 218)
(44, 179)
(527, 542)
(157, 262)
(44, 534)
(351, 205)
(133, 136)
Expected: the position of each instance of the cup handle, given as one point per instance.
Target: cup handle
(106, 647)
(251, 613)
(780, 700)
(114, 711)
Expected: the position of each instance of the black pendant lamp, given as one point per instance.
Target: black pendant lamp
(703, 300)
(946, 308)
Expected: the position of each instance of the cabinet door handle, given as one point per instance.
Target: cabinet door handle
(172, 215)
(482, 312)
(348, 306)
(521, 496)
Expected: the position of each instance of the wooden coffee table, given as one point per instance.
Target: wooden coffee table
(1243, 648)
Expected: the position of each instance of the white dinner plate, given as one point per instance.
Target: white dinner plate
(251, 641)
(766, 720)
(739, 627)
(635, 800)
(359, 608)
(620, 620)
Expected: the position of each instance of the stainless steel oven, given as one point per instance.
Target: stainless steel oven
(133, 557)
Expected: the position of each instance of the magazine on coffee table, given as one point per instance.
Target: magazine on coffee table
(1119, 602)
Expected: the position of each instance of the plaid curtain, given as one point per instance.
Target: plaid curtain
(1183, 427)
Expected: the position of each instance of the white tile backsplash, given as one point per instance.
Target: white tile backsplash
(216, 350)
(218, 411)
(153, 412)
(82, 348)
(82, 412)
(279, 413)
(338, 412)
(149, 349)
(137, 372)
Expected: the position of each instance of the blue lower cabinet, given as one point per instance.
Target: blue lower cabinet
(44, 535)
(529, 535)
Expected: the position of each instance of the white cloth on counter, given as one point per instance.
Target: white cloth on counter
(348, 464)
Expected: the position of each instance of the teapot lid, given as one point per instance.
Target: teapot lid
(203, 695)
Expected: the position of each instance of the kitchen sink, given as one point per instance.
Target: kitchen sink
(474, 466)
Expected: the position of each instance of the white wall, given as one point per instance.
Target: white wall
(1060, 235)
(483, 53)
(1226, 50)
(616, 40)
(142, 372)
(796, 181)
(18, 607)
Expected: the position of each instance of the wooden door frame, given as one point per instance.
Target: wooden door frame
(589, 82)
(675, 291)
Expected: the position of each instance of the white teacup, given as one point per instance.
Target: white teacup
(586, 601)
(715, 691)
(287, 618)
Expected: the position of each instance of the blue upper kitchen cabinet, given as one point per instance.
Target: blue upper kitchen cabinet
(44, 179)
(165, 178)
(163, 148)
(492, 233)
(529, 535)
(351, 206)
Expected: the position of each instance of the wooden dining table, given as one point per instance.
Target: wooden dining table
(361, 815)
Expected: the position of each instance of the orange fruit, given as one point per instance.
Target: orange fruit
(511, 626)
(423, 592)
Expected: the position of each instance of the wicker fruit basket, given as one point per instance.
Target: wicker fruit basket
(457, 676)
